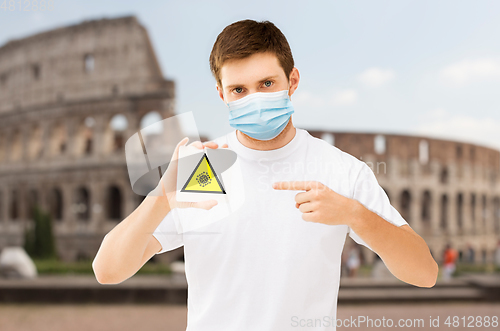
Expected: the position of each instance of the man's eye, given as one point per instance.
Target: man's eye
(238, 90)
(268, 83)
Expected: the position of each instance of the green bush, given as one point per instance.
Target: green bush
(39, 240)
(54, 267)
(462, 268)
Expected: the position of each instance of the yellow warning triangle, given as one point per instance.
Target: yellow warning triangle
(203, 179)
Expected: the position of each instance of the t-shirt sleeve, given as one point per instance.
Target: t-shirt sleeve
(166, 233)
(368, 191)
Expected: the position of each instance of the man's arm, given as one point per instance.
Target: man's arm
(403, 251)
(130, 244)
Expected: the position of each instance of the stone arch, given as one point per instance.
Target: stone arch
(16, 151)
(114, 203)
(473, 212)
(405, 203)
(32, 203)
(82, 203)
(149, 119)
(152, 129)
(115, 133)
(56, 204)
(14, 205)
(88, 62)
(426, 206)
(460, 210)
(36, 70)
(444, 213)
(443, 175)
(85, 137)
(458, 151)
(426, 210)
(58, 139)
(496, 214)
(35, 143)
(484, 212)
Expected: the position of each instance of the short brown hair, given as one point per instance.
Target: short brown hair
(245, 38)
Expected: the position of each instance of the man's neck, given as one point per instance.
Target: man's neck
(279, 141)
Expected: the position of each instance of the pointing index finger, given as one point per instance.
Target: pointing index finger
(294, 185)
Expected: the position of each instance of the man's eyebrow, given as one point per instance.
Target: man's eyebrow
(260, 81)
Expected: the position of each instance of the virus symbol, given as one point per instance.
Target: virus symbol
(203, 179)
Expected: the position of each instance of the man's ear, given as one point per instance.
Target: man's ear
(294, 80)
(221, 95)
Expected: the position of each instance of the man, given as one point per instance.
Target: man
(450, 256)
(273, 264)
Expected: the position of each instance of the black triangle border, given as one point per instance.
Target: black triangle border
(194, 171)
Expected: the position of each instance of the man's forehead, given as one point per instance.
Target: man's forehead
(251, 70)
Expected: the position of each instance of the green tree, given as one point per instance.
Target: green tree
(39, 240)
(29, 241)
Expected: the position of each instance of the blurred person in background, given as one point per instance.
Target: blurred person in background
(450, 256)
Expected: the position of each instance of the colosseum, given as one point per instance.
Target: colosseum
(71, 97)
(447, 191)
(69, 100)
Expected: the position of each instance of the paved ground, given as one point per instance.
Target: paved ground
(173, 290)
(173, 318)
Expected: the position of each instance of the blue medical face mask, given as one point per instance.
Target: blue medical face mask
(261, 115)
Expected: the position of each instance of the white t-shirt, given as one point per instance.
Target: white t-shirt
(263, 267)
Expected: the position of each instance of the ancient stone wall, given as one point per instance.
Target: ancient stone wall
(448, 191)
(69, 100)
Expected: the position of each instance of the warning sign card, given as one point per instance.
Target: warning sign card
(202, 174)
(207, 174)
(203, 179)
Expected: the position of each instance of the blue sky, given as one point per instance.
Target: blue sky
(406, 67)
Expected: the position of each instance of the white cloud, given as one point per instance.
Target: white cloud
(308, 100)
(375, 77)
(442, 124)
(467, 71)
(345, 97)
(336, 98)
